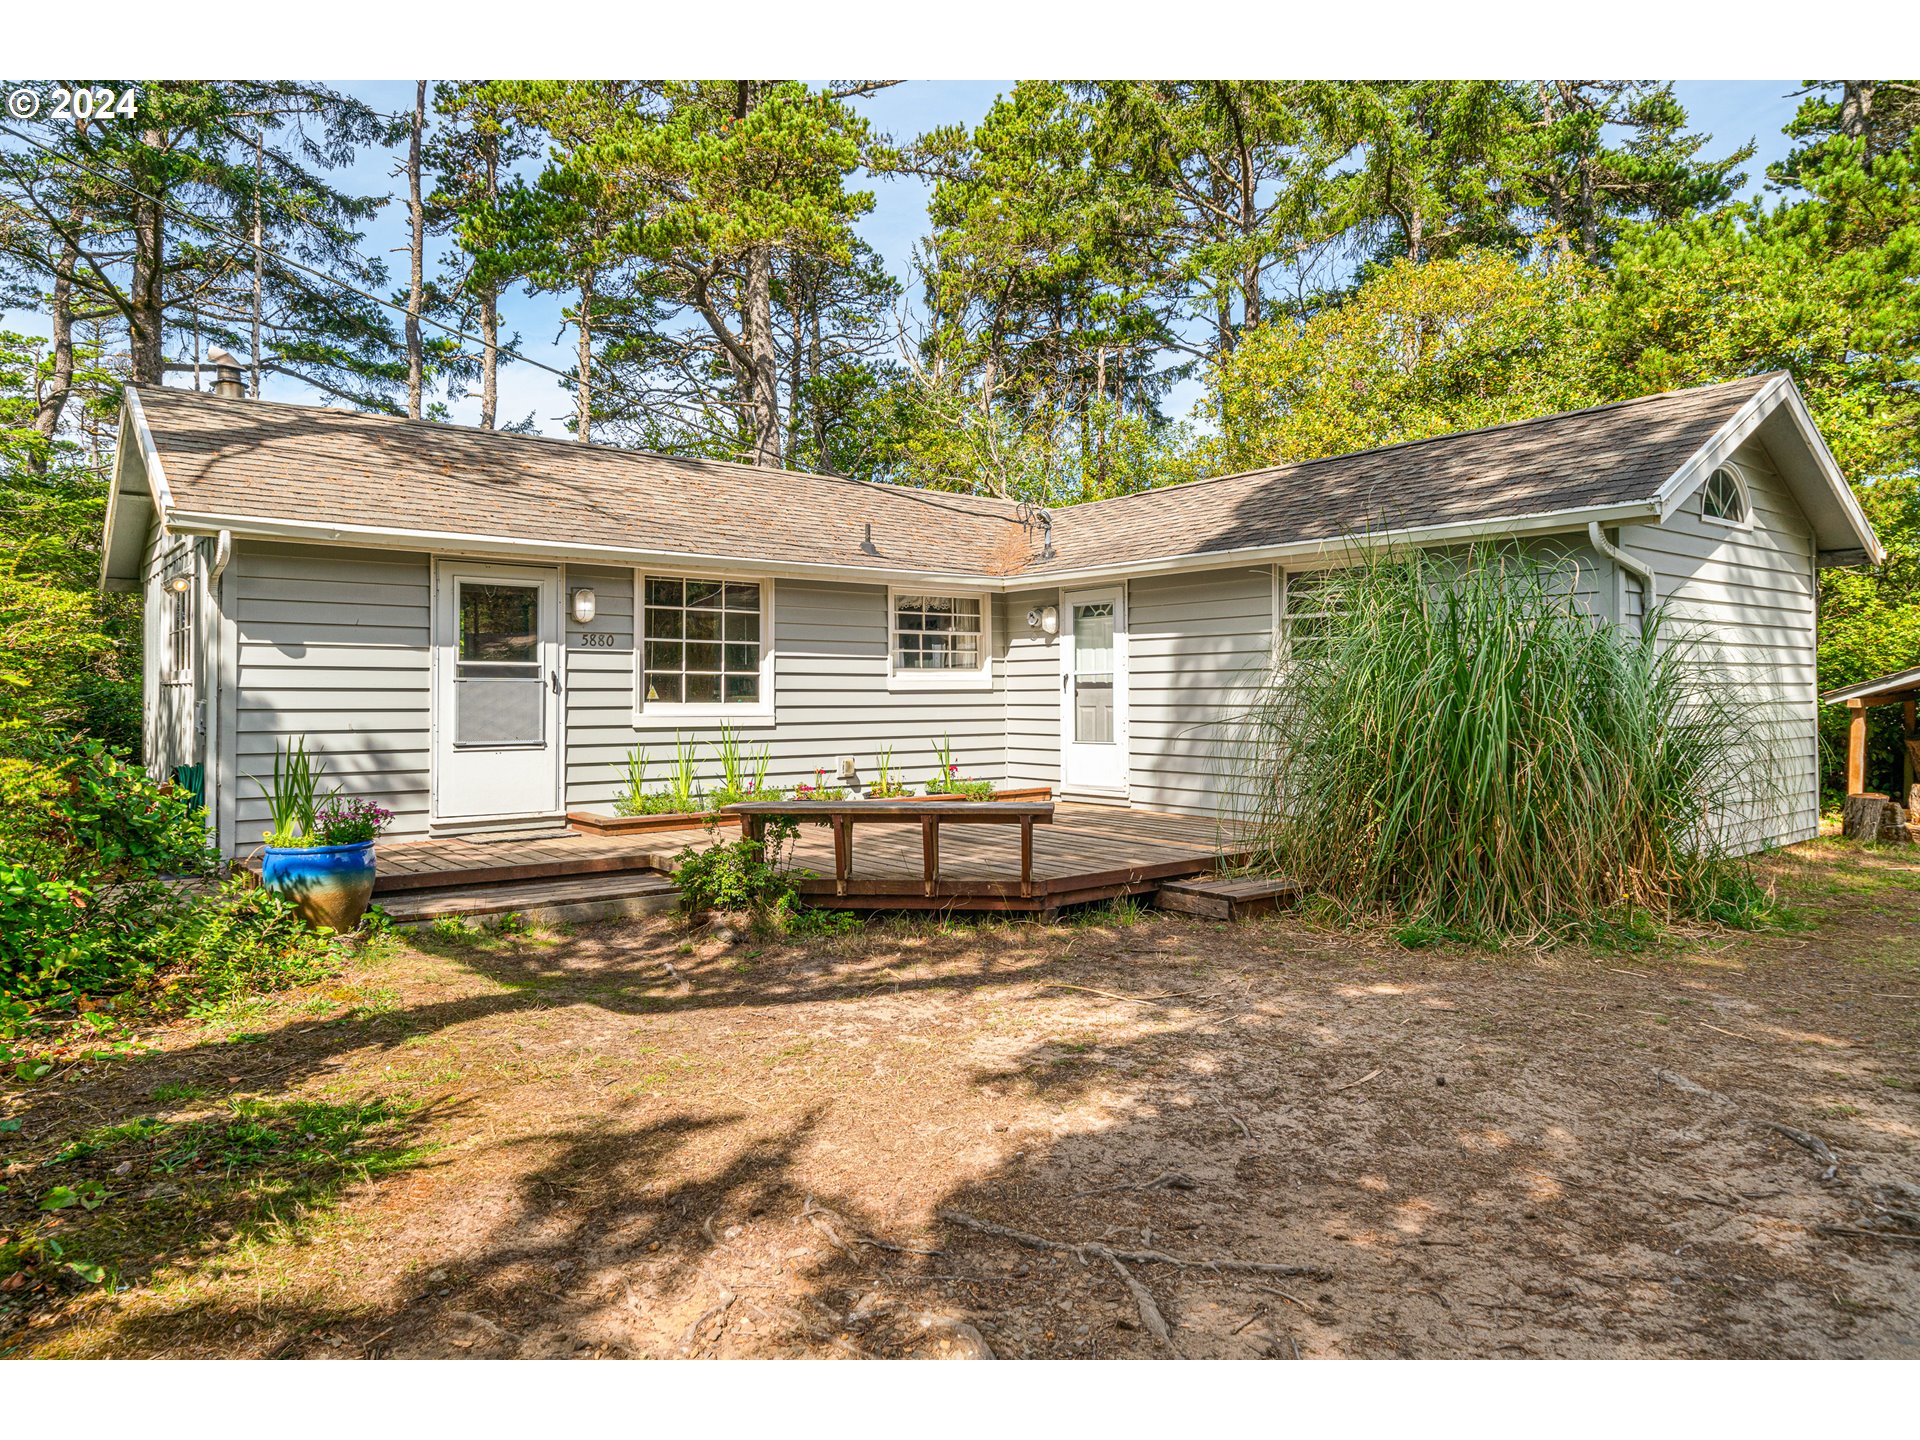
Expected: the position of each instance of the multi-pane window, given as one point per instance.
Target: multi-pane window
(180, 635)
(1308, 599)
(937, 633)
(701, 642)
(1724, 498)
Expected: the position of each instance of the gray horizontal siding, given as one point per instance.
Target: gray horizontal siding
(1198, 646)
(1032, 714)
(831, 698)
(333, 644)
(1744, 601)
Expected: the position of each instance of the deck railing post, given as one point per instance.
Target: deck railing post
(842, 853)
(1026, 857)
(930, 852)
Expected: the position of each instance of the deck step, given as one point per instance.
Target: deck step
(1229, 899)
(574, 898)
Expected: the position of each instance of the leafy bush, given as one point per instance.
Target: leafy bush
(739, 874)
(1459, 744)
(246, 938)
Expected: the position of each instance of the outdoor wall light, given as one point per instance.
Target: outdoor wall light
(1046, 618)
(180, 584)
(583, 607)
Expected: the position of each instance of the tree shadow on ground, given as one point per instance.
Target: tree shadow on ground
(1475, 1152)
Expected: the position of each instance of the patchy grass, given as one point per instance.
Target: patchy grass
(542, 1144)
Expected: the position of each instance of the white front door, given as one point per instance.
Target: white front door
(1093, 664)
(497, 692)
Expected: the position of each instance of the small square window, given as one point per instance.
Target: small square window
(934, 633)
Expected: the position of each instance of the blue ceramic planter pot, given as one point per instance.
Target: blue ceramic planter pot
(329, 884)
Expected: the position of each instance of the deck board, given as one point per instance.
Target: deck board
(1088, 852)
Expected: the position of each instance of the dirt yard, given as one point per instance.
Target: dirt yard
(629, 1141)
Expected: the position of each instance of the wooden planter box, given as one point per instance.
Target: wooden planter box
(1028, 793)
(588, 823)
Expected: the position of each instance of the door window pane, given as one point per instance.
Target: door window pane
(500, 623)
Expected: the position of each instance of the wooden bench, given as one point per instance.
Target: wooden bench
(929, 815)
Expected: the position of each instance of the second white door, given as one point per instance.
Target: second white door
(1093, 665)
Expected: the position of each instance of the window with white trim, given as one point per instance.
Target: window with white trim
(937, 639)
(1307, 599)
(1724, 497)
(703, 644)
(179, 635)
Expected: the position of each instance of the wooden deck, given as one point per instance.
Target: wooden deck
(1088, 853)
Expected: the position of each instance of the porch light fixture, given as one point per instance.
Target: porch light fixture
(583, 606)
(1046, 618)
(180, 584)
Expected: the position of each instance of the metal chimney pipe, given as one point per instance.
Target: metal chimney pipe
(226, 375)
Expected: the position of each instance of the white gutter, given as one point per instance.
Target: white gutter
(329, 532)
(1613, 552)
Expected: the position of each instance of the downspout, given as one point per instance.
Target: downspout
(1628, 563)
(213, 783)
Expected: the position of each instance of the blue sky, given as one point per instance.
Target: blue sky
(1731, 111)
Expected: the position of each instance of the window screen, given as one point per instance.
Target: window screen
(500, 694)
(702, 643)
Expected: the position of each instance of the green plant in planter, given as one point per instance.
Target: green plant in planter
(633, 799)
(290, 799)
(683, 781)
(887, 784)
(743, 771)
(947, 780)
(819, 789)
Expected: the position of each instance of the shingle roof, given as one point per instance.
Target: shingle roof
(301, 463)
(1612, 455)
(306, 463)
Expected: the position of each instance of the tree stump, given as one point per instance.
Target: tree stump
(1860, 817)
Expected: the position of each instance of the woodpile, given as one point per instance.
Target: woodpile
(1876, 819)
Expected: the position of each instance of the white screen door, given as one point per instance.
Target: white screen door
(1093, 663)
(498, 693)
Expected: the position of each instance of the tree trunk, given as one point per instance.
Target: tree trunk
(1856, 107)
(53, 400)
(583, 395)
(490, 313)
(489, 358)
(259, 253)
(146, 304)
(763, 376)
(416, 256)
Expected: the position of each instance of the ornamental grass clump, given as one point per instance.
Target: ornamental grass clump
(1457, 744)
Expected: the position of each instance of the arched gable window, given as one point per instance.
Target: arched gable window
(1724, 497)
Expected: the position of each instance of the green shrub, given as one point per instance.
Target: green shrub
(739, 874)
(1460, 746)
(245, 938)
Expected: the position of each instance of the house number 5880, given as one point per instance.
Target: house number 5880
(596, 640)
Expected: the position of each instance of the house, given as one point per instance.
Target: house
(474, 628)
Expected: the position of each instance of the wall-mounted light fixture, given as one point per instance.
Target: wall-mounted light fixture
(180, 584)
(1045, 618)
(583, 606)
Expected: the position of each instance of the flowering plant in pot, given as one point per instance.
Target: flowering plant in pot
(947, 779)
(319, 853)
